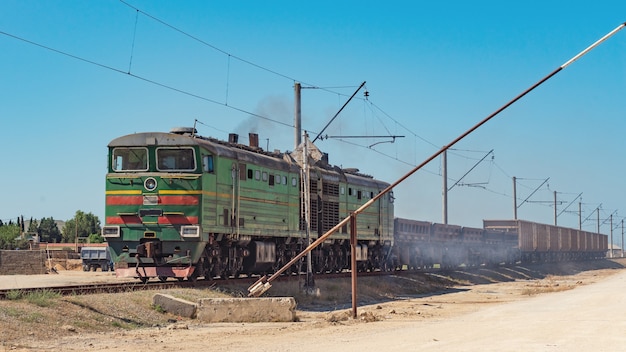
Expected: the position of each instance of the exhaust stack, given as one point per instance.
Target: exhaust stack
(254, 140)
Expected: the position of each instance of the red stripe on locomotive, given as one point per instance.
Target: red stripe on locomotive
(166, 219)
(165, 200)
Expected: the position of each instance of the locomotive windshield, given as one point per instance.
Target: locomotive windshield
(175, 159)
(130, 159)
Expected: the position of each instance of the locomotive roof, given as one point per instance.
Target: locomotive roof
(242, 153)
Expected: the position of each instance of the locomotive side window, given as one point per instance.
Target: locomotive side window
(285, 180)
(264, 176)
(257, 175)
(250, 173)
(130, 159)
(175, 159)
(271, 181)
(294, 182)
(207, 163)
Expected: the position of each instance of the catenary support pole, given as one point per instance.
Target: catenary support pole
(514, 198)
(298, 114)
(444, 191)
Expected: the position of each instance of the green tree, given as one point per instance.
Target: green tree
(48, 231)
(9, 237)
(95, 238)
(33, 227)
(83, 225)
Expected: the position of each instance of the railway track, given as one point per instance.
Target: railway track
(128, 286)
(117, 287)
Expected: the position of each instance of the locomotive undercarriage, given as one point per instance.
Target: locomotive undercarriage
(226, 258)
(548, 257)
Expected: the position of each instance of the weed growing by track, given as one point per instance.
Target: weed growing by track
(41, 298)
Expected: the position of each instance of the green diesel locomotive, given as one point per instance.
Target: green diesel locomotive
(185, 206)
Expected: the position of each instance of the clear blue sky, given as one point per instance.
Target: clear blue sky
(433, 70)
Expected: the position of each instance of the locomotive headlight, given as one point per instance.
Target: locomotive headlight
(190, 231)
(111, 231)
(150, 184)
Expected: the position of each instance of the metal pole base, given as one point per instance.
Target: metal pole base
(308, 287)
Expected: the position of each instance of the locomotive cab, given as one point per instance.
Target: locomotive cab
(153, 193)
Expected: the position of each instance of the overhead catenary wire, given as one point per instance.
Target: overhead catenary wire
(132, 47)
(197, 96)
(181, 91)
(229, 55)
(225, 103)
(261, 67)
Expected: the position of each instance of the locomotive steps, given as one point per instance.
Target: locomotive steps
(230, 310)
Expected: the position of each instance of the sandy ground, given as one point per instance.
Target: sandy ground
(579, 312)
(64, 277)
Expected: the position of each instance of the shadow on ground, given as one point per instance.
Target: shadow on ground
(530, 271)
(337, 293)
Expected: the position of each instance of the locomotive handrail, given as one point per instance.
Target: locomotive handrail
(264, 283)
(184, 177)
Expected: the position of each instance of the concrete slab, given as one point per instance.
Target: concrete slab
(247, 310)
(176, 306)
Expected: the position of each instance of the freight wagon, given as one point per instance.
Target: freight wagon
(545, 243)
(423, 245)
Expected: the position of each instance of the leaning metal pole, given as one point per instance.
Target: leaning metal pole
(264, 283)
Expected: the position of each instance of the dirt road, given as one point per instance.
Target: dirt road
(588, 318)
(586, 314)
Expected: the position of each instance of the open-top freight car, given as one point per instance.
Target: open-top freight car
(180, 205)
(548, 243)
(423, 245)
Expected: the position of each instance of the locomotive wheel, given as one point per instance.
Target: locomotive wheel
(207, 275)
(224, 274)
(234, 272)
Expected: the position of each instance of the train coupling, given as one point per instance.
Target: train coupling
(259, 287)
